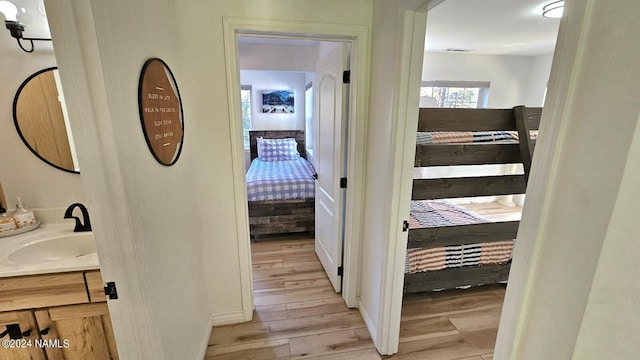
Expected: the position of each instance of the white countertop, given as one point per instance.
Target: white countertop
(10, 244)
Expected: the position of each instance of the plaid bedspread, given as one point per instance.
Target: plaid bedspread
(280, 180)
(434, 213)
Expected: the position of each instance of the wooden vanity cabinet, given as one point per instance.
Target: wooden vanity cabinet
(80, 330)
(27, 321)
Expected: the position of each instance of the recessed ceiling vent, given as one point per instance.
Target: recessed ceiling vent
(457, 50)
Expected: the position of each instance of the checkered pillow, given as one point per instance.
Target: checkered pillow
(277, 149)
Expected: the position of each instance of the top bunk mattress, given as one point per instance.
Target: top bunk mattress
(280, 180)
(469, 137)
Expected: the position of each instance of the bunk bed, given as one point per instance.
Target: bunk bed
(449, 246)
(273, 211)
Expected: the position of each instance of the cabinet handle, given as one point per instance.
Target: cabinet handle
(44, 331)
(27, 333)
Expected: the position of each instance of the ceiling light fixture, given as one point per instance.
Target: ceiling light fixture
(10, 12)
(553, 9)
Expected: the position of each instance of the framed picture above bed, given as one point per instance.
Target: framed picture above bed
(278, 101)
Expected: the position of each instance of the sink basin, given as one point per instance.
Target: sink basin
(55, 248)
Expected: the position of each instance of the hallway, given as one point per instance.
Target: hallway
(299, 316)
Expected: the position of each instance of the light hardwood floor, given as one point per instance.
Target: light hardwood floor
(299, 316)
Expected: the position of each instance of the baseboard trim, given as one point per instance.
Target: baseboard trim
(205, 340)
(228, 318)
(368, 322)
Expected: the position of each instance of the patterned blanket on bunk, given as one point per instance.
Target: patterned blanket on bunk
(435, 213)
(467, 137)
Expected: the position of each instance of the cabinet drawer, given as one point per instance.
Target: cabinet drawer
(95, 286)
(25, 292)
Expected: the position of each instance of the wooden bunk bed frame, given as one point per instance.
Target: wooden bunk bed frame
(520, 119)
(280, 216)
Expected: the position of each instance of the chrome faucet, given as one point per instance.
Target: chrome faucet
(85, 225)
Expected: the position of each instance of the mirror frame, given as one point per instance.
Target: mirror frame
(15, 120)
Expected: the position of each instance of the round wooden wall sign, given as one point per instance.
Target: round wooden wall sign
(160, 111)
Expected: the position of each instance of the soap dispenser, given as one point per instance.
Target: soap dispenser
(7, 223)
(22, 216)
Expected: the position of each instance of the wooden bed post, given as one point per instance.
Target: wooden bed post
(526, 120)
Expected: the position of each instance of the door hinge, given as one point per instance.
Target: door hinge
(111, 291)
(405, 226)
(340, 270)
(346, 77)
(343, 183)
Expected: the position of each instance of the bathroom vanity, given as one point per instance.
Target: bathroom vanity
(52, 297)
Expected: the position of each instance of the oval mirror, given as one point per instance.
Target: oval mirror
(41, 120)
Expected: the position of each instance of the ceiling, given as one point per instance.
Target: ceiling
(497, 27)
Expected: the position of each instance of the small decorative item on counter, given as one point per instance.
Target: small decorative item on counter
(22, 216)
(7, 223)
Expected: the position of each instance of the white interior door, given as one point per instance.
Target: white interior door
(330, 162)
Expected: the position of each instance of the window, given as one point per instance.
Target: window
(454, 94)
(245, 100)
(308, 115)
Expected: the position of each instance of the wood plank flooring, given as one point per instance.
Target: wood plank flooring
(452, 324)
(299, 316)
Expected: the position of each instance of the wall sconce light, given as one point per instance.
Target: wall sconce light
(10, 12)
(553, 9)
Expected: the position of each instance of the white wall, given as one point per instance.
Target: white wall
(574, 272)
(515, 80)
(204, 71)
(508, 75)
(538, 79)
(610, 324)
(275, 80)
(379, 160)
(276, 57)
(21, 172)
(145, 217)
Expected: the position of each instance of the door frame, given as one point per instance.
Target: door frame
(359, 39)
(411, 35)
(516, 306)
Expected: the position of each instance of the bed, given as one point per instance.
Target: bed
(281, 193)
(449, 246)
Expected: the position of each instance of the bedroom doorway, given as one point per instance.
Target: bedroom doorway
(347, 208)
(289, 194)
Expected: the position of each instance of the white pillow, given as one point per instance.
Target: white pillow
(277, 149)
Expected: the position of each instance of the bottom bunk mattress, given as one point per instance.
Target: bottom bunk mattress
(437, 213)
(280, 180)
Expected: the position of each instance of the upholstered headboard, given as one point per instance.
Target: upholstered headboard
(276, 134)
